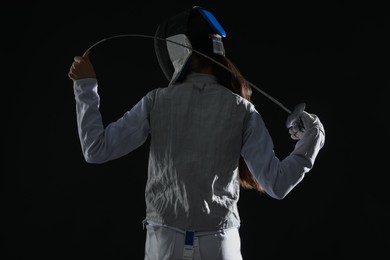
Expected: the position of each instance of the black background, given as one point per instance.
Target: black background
(333, 57)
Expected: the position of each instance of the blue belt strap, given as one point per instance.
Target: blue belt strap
(188, 250)
(189, 238)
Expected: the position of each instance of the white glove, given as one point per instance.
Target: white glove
(299, 121)
(301, 124)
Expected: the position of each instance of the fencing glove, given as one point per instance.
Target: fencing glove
(299, 121)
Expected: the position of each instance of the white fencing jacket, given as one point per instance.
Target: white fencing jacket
(198, 131)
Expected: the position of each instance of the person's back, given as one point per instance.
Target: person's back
(196, 138)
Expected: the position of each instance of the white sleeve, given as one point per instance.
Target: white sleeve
(118, 138)
(279, 177)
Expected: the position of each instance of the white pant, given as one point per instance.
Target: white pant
(163, 243)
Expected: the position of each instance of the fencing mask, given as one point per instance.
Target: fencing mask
(193, 29)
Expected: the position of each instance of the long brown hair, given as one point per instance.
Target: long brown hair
(233, 80)
(199, 32)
